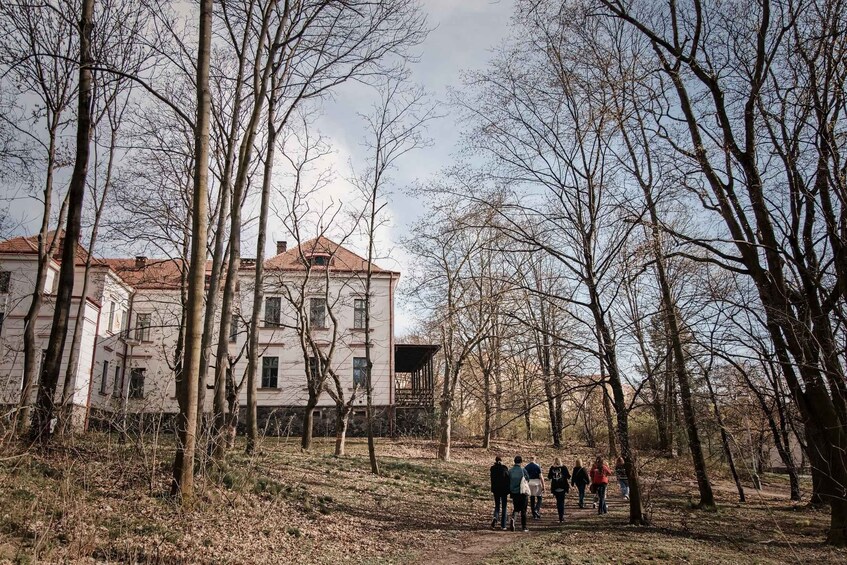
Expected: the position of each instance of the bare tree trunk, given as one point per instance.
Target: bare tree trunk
(187, 383)
(342, 419)
(259, 273)
(445, 428)
(725, 441)
(486, 405)
(498, 405)
(65, 416)
(44, 407)
(31, 319)
(308, 423)
(707, 499)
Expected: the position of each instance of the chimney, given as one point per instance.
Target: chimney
(140, 261)
(281, 247)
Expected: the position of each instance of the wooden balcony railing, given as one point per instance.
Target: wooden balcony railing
(409, 397)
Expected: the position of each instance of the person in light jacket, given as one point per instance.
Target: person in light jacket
(536, 487)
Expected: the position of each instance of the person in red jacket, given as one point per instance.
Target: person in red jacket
(600, 474)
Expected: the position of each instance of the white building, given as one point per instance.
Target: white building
(132, 325)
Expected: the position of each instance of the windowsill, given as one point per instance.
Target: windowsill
(271, 327)
(102, 393)
(270, 388)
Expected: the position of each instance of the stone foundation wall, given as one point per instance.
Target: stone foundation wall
(276, 421)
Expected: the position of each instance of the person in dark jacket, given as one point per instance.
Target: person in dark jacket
(623, 478)
(559, 477)
(500, 490)
(580, 480)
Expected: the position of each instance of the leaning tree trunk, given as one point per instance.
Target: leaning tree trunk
(609, 360)
(725, 441)
(44, 408)
(65, 423)
(31, 317)
(707, 498)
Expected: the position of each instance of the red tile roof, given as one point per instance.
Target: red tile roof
(29, 246)
(342, 259)
(163, 274)
(166, 274)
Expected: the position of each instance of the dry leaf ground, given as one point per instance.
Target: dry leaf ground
(97, 501)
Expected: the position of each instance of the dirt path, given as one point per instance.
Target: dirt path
(475, 546)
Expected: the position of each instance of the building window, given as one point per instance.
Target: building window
(270, 372)
(5, 279)
(317, 312)
(116, 385)
(319, 260)
(2, 319)
(136, 383)
(314, 371)
(142, 327)
(360, 371)
(360, 311)
(233, 329)
(104, 379)
(273, 305)
(111, 326)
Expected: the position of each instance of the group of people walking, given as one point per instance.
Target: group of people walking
(525, 485)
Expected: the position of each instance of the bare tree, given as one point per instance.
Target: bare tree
(42, 416)
(39, 49)
(395, 127)
(447, 255)
(186, 381)
(747, 110)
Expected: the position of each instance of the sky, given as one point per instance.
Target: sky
(464, 33)
(462, 37)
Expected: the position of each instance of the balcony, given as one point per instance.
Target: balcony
(414, 375)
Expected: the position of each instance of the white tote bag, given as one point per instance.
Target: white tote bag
(525, 486)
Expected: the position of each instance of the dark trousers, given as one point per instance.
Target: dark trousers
(560, 503)
(601, 503)
(501, 508)
(519, 505)
(581, 488)
(535, 505)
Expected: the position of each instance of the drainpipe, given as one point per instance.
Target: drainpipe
(124, 383)
(93, 366)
